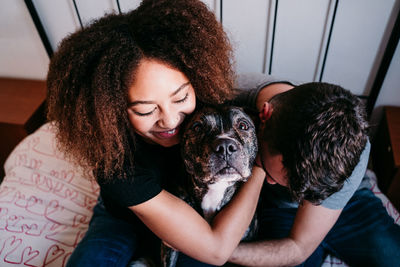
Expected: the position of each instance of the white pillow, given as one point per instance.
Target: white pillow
(45, 203)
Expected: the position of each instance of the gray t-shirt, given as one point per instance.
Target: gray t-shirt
(247, 87)
(280, 196)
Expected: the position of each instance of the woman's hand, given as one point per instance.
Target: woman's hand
(168, 245)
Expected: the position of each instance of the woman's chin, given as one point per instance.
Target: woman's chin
(169, 143)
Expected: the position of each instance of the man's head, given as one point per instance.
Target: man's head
(313, 139)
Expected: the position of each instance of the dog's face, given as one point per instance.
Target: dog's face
(219, 144)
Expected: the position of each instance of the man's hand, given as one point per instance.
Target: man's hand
(311, 225)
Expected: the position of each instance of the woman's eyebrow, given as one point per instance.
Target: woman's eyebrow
(134, 103)
(180, 88)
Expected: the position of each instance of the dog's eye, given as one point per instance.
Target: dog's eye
(197, 126)
(243, 125)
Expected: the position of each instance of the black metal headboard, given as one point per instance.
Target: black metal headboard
(377, 82)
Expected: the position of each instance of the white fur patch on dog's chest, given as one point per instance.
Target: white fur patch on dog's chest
(212, 200)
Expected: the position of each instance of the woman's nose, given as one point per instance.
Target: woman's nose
(169, 119)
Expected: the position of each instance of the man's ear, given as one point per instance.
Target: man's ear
(266, 112)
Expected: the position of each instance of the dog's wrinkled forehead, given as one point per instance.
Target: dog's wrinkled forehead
(211, 120)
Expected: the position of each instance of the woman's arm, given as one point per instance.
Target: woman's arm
(178, 224)
(183, 228)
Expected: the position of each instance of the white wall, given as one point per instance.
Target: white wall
(296, 55)
(59, 17)
(22, 54)
(358, 34)
(390, 91)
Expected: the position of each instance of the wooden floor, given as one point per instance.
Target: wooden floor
(21, 112)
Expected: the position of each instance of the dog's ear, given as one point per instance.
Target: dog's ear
(252, 114)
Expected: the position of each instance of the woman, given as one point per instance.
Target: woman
(119, 91)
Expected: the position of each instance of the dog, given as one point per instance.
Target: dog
(219, 146)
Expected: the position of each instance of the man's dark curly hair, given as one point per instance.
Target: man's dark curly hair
(90, 74)
(320, 130)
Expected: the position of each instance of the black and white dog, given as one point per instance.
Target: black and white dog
(219, 146)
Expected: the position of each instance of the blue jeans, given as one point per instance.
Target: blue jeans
(111, 241)
(184, 260)
(364, 235)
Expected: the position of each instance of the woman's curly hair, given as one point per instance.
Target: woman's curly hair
(90, 74)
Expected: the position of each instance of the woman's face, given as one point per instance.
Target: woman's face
(159, 100)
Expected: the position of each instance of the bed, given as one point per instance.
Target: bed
(46, 204)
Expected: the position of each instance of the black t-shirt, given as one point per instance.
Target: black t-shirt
(155, 167)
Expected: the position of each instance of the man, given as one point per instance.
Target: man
(314, 150)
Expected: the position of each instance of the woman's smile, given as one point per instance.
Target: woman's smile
(167, 134)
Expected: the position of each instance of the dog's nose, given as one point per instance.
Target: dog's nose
(225, 146)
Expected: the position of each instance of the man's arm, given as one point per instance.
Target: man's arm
(311, 225)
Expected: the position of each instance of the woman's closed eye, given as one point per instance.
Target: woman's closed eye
(143, 113)
(183, 99)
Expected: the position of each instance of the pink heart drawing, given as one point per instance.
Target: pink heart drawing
(10, 245)
(53, 253)
(30, 254)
